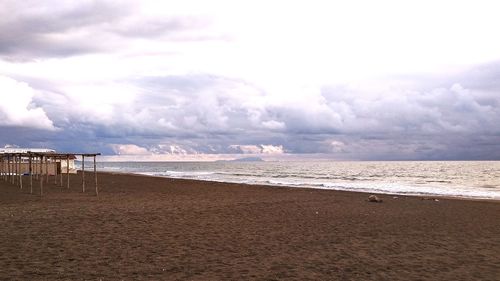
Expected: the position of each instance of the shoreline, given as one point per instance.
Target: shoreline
(154, 228)
(367, 193)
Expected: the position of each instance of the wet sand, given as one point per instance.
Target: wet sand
(147, 228)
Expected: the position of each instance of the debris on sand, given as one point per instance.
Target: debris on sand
(374, 199)
(430, 198)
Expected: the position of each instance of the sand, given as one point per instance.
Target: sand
(147, 228)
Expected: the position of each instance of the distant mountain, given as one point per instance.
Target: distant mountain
(249, 159)
(244, 159)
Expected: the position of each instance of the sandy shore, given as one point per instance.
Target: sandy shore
(146, 228)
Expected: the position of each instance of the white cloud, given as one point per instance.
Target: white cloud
(258, 149)
(272, 149)
(337, 146)
(17, 108)
(129, 149)
(274, 125)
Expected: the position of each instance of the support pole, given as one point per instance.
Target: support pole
(17, 169)
(14, 171)
(33, 166)
(8, 168)
(55, 171)
(20, 173)
(31, 173)
(40, 171)
(41, 177)
(83, 173)
(47, 169)
(13, 178)
(61, 174)
(67, 169)
(95, 178)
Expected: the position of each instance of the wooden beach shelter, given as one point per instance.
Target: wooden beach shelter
(40, 164)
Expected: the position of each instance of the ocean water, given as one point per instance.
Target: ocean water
(468, 179)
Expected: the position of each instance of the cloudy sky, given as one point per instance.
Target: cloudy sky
(282, 79)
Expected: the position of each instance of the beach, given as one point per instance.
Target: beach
(152, 228)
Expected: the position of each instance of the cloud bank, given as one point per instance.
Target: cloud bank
(136, 79)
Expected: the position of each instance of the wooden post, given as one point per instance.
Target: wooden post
(14, 170)
(47, 169)
(20, 173)
(8, 168)
(35, 170)
(67, 169)
(41, 177)
(16, 166)
(31, 174)
(61, 174)
(83, 173)
(55, 171)
(5, 168)
(95, 178)
(13, 179)
(17, 170)
(40, 171)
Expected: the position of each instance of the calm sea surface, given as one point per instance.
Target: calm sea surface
(448, 178)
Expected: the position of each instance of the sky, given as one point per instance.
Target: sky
(209, 80)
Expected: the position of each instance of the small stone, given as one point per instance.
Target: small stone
(374, 199)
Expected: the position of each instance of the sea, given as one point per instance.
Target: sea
(467, 179)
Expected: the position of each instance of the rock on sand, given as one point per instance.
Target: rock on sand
(374, 198)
